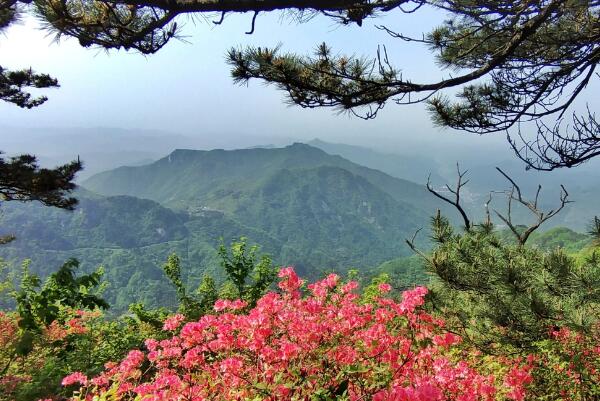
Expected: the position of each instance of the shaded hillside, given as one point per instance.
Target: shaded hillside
(330, 215)
(116, 222)
(583, 185)
(130, 237)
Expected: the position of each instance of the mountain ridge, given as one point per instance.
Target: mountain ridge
(306, 208)
(208, 172)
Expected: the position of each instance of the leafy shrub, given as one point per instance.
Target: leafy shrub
(246, 278)
(78, 340)
(57, 326)
(567, 366)
(326, 345)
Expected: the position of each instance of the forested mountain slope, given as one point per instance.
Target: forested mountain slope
(130, 237)
(583, 185)
(299, 203)
(188, 179)
(306, 208)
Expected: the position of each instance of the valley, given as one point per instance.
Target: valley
(306, 208)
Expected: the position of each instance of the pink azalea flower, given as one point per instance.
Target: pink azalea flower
(172, 323)
(73, 378)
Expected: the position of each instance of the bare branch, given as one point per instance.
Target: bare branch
(220, 21)
(488, 218)
(555, 147)
(251, 31)
(413, 247)
(541, 216)
(456, 191)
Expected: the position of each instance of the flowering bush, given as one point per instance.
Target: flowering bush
(79, 340)
(323, 346)
(26, 373)
(567, 366)
(9, 381)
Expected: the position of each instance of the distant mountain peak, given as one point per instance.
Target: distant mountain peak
(301, 145)
(222, 178)
(182, 151)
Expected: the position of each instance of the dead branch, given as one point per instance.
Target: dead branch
(251, 31)
(488, 218)
(516, 195)
(413, 247)
(456, 191)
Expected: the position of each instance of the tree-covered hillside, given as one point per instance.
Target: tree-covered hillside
(558, 237)
(298, 202)
(582, 184)
(116, 222)
(331, 216)
(307, 208)
(192, 179)
(130, 237)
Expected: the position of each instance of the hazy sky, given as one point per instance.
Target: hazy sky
(185, 88)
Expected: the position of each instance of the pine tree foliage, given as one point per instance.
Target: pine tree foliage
(514, 62)
(22, 179)
(485, 284)
(499, 292)
(14, 84)
(594, 230)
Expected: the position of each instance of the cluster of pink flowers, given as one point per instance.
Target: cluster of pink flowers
(74, 325)
(73, 378)
(295, 347)
(223, 304)
(173, 322)
(574, 362)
